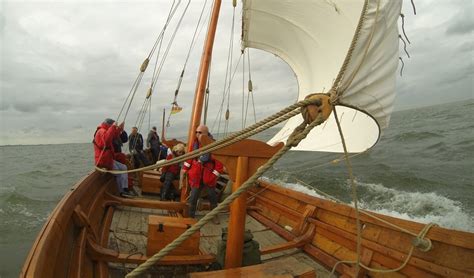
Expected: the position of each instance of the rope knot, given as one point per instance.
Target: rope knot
(423, 244)
(315, 104)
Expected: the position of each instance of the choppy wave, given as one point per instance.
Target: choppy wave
(417, 206)
(416, 135)
(414, 206)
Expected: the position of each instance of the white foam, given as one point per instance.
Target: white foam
(418, 206)
(415, 206)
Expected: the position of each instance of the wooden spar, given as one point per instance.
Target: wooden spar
(241, 159)
(238, 208)
(201, 84)
(163, 125)
(203, 74)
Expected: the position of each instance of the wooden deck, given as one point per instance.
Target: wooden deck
(128, 234)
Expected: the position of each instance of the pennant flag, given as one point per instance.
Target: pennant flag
(175, 109)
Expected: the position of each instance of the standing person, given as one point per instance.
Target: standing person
(104, 152)
(203, 172)
(135, 146)
(170, 173)
(153, 143)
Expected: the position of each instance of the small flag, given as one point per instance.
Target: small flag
(175, 109)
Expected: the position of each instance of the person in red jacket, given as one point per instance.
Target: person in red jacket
(170, 173)
(203, 172)
(104, 152)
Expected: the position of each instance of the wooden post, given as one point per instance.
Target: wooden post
(238, 212)
(241, 159)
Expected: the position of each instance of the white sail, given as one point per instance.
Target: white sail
(314, 37)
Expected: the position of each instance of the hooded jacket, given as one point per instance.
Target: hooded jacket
(103, 148)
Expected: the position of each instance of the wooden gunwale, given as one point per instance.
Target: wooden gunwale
(103, 269)
(383, 254)
(329, 230)
(274, 207)
(52, 224)
(452, 237)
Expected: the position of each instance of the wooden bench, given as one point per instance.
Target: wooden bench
(286, 267)
(151, 183)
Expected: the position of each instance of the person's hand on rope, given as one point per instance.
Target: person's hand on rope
(122, 126)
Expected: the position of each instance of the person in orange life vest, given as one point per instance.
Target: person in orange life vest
(104, 152)
(203, 172)
(170, 173)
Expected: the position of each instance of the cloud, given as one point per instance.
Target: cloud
(67, 65)
(463, 22)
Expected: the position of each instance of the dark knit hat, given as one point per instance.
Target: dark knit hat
(109, 121)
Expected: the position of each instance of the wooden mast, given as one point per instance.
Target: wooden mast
(203, 74)
(201, 84)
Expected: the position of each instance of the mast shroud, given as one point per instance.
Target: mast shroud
(203, 74)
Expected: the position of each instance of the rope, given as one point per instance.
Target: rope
(137, 81)
(227, 72)
(403, 28)
(264, 124)
(191, 46)
(419, 237)
(404, 45)
(352, 47)
(403, 65)
(227, 91)
(298, 134)
(353, 188)
(170, 43)
(366, 51)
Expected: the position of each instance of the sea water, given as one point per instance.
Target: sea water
(422, 169)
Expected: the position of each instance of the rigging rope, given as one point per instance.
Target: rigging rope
(219, 114)
(298, 134)
(144, 65)
(419, 238)
(191, 46)
(227, 77)
(165, 55)
(264, 124)
(250, 92)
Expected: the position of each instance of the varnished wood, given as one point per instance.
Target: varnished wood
(238, 208)
(295, 243)
(162, 230)
(147, 203)
(287, 267)
(99, 253)
(61, 249)
(203, 74)
(454, 237)
(172, 142)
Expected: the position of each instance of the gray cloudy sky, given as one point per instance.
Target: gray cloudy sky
(66, 65)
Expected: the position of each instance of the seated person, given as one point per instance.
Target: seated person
(164, 152)
(135, 146)
(170, 173)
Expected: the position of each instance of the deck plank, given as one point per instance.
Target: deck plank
(130, 226)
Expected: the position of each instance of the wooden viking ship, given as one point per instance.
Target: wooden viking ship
(93, 232)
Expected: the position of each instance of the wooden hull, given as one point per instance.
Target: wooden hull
(73, 242)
